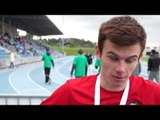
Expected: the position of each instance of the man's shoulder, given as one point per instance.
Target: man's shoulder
(139, 82)
(83, 81)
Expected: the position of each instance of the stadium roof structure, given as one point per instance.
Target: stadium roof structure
(39, 25)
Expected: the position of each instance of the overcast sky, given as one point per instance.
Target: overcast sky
(86, 26)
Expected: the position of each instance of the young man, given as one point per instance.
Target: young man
(79, 65)
(120, 45)
(48, 60)
(153, 66)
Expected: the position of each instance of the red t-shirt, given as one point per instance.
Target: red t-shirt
(80, 91)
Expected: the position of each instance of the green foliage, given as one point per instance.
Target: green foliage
(72, 46)
(80, 43)
(73, 51)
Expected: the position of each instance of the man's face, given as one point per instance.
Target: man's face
(48, 52)
(118, 62)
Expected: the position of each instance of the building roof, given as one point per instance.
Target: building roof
(39, 25)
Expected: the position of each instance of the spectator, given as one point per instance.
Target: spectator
(12, 60)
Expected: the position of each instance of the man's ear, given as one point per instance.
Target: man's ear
(97, 52)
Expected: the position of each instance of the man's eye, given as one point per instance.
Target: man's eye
(113, 58)
(130, 60)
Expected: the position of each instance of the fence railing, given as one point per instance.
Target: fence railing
(22, 99)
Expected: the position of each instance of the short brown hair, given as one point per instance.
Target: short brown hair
(80, 51)
(123, 31)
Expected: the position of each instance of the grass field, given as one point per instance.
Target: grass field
(74, 51)
(145, 58)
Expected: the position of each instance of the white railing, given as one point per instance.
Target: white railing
(22, 99)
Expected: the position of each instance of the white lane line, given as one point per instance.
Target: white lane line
(27, 78)
(52, 71)
(10, 82)
(35, 82)
(62, 65)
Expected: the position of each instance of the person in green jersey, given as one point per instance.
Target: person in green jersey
(79, 66)
(48, 60)
(98, 65)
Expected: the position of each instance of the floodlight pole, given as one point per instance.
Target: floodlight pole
(63, 35)
(63, 45)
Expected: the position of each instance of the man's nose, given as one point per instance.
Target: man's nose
(121, 67)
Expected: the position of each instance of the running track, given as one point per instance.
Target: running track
(29, 79)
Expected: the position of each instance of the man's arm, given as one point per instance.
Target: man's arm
(96, 67)
(86, 70)
(73, 67)
(52, 63)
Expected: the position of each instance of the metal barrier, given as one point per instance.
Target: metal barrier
(22, 99)
(3, 56)
(2, 63)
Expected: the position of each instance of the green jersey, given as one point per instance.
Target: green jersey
(80, 61)
(47, 60)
